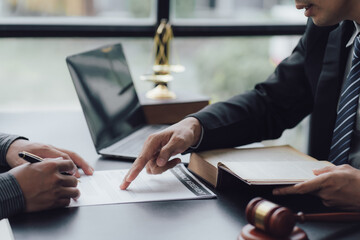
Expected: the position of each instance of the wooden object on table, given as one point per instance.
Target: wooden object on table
(170, 111)
(268, 220)
(249, 232)
(276, 165)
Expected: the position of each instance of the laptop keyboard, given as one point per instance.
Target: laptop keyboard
(133, 144)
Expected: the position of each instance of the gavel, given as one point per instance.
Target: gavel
(278, 221)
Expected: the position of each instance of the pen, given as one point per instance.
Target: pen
(32, 158)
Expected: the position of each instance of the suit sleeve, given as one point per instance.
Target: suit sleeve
(11, 196)
(5, 141)
(279, 103)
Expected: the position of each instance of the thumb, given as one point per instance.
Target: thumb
(165, 153)
(323, 170)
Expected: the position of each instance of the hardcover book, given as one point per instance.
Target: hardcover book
(278, 165)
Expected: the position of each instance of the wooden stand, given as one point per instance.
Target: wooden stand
(249, 232)
(170, 111)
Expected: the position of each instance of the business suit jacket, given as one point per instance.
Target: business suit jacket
(307, 82)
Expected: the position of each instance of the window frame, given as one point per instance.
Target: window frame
(147, 30)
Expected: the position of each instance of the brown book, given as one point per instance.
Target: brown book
(278, 165)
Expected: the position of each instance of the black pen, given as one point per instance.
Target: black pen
(32, 158)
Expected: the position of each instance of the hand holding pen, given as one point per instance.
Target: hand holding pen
(45, 151)
(46, 183)
(42, 184)
(32, 158)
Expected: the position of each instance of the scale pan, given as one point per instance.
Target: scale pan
(157, 78)
(168, 68)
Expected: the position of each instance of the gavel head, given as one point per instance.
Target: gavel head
(269, 217)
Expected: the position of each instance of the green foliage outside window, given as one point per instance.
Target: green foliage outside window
(233, 67)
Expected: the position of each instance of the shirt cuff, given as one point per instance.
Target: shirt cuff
(200, 140)
(5, 141)
(193, 148)
(11, 197)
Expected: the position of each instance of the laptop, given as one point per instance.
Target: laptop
(109, 101)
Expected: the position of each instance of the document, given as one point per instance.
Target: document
(175, 184)
(5, 230)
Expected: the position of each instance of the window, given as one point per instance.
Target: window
(80, 12)
(234, 12)
(221, 43)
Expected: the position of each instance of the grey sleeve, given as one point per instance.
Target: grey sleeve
(5, 141)
(11, 197)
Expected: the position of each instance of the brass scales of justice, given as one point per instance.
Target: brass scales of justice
(162, 68)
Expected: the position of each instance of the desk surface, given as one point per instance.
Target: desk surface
(220, 218)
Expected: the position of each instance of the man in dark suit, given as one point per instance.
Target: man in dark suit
(308, 82)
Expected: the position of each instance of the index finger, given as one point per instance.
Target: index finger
(134, 171)
(151, 148)
(309, 186)
(79, 161)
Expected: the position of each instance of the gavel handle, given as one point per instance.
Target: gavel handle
(328, 217)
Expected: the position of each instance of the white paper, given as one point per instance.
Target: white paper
(5, 230)
(104, 187)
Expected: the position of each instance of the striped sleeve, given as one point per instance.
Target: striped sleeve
(11, 197)
(5, 141)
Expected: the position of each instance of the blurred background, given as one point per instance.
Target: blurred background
(226, 46)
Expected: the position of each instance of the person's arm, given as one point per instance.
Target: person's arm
(35, 187)
(279, 103)
(11, 197)
(5, 141)
(242, 119)
(38, 186)
(44, 186)
(337, 186)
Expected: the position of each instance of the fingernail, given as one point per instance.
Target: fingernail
(161, 162)
(91, 170)
(74, 171)
(123, 186)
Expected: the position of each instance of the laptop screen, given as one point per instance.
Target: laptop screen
(107, 94)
